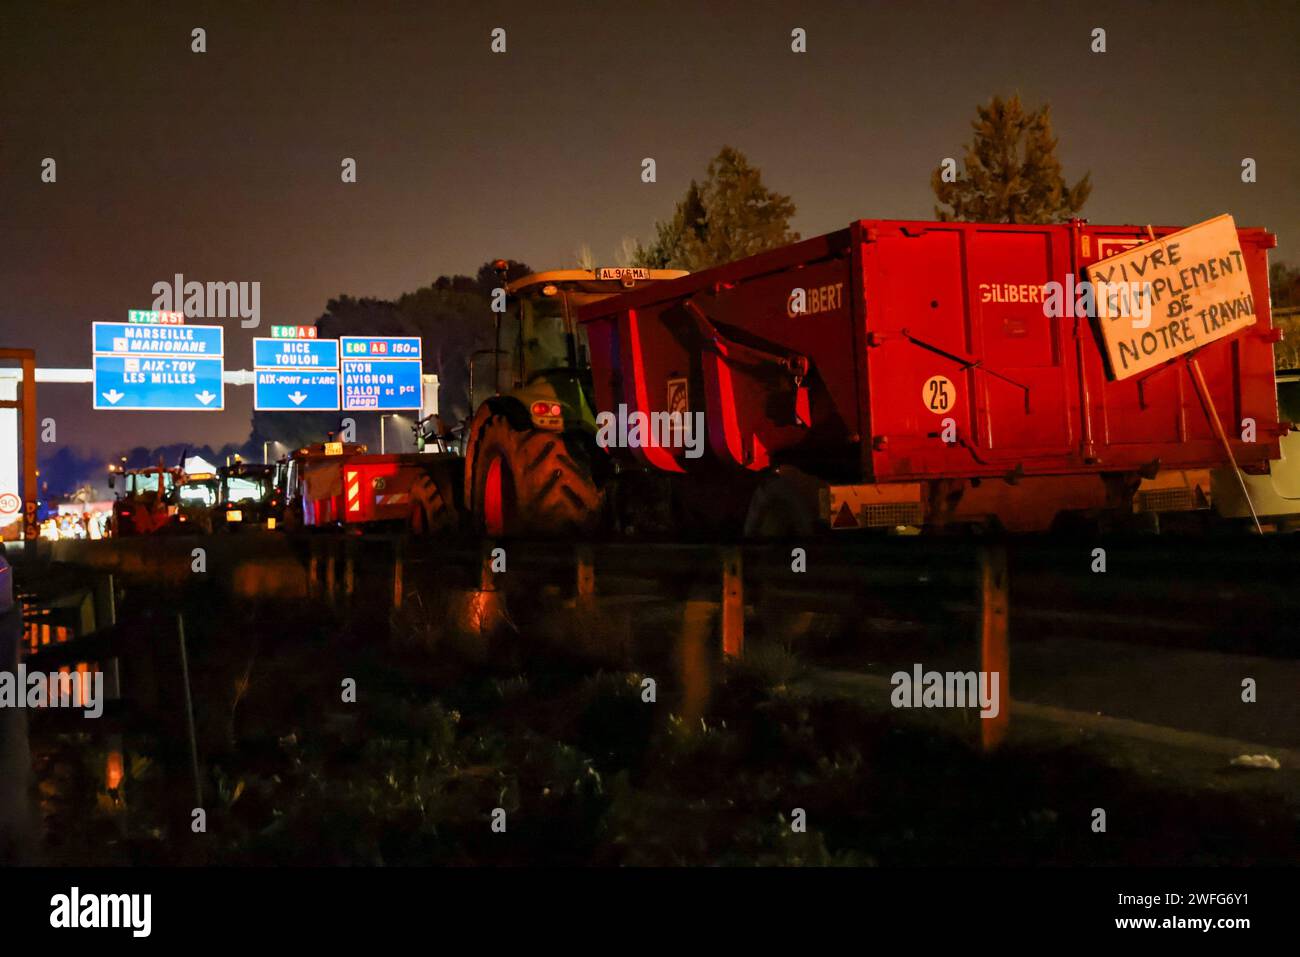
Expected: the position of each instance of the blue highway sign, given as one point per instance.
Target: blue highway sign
(380, 385)
(141, 339)
(159, 383)
(296, 391)
(295, 353)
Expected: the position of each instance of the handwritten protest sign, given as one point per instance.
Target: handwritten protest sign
(1191, 287)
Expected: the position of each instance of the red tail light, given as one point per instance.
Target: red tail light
(546, 408)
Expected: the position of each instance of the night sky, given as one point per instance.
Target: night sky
(225, 166)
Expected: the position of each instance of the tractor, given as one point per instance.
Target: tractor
(247, 496)
(892, 376)
(196, 498)
(531, 460)
(309, 484)
(148, 501)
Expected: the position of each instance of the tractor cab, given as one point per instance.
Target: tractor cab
(247, 495)
(196, 496)
(541, 357)
(147, 502)
(311, 483)
(151, 482)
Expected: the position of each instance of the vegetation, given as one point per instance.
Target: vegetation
(1011, 174)
(728, 216)
(586, 771)
(1284, 291)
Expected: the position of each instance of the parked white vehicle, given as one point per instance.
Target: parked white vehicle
(1276, 496)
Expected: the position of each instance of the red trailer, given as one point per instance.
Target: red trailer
(905, 373)
(415, 490)
(313, 492)
(337, 485)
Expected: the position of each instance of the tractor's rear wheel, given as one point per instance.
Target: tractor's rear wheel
(530, 481)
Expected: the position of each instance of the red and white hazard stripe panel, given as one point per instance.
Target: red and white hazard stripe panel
(352, 482)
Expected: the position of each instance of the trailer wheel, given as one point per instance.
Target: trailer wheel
(430, 511)
(531, 482)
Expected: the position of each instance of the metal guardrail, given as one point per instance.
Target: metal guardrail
(965, 580)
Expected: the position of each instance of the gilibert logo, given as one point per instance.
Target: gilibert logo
(1002, 292)
(809, 302)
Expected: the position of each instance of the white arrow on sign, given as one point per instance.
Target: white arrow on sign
(205, 396)
(112, 395)
(297, 398)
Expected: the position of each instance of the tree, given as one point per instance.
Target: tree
(668, 251)
(1012, 174)
(67, 468)
(1284, 286)
(1284, 294)
(453, 326)
(367, 316)
(729, 216)
(452, 322)
(628, 252)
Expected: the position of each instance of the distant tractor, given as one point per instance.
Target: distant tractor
(417, 491)
(531, 460)
(147, 503)
(247, 497)
(313, 484)
(196, 498)
(342, 486)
